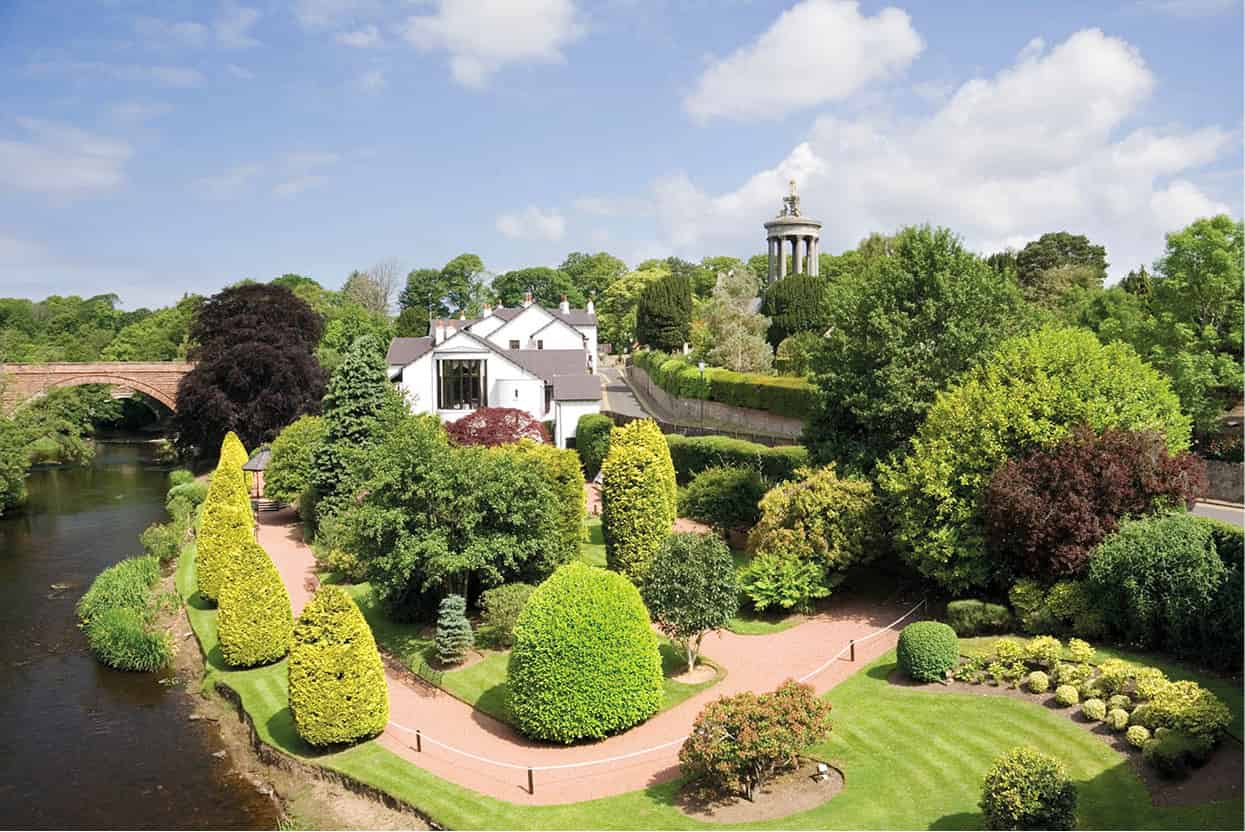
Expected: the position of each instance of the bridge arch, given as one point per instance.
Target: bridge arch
(157, 380)
(106, 378)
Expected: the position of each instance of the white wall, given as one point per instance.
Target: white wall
(520, 327)
(567, 418)
(558, 336)
(508, 384)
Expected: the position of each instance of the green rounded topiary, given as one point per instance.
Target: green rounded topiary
(585, 662)
(592, 441)
(635, 518)
(1038, 682)
(336, 677)
(927, 650)
(255, 623)
(1137, 735)
(1066, 696)
(1026, 789)
(1117, 719)
(1094, 709)
(645, 433)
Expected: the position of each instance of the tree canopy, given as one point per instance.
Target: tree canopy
(664, 314)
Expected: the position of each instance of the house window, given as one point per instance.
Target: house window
(514, 343)
(540, 345)
(548, 397)
(461, 384)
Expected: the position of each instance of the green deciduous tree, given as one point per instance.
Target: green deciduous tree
(546, 285)
(292, 466)
(12, 465)
(1053, 263)
(616, 312)
(592, 273)
(691, 589)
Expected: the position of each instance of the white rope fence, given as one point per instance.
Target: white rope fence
(421, 738)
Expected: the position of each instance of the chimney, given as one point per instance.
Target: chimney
(438, 332)
(591, 308)
(564, 306)
(462, 314)
(486, 310)
(527, 299)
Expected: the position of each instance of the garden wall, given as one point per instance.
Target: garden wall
(1227, 481)
(684, 414)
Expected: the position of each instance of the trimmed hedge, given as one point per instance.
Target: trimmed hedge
(970, 617)
(336, 677)
(592, 441)
(645, 433)
(560, 468)
(635, 516)
(693, 454)
(724, 497)
(255, 622)
(1026, 789)
(781, 395)
(233, 451)
(226, 520)
(927, 650)
(585, 662)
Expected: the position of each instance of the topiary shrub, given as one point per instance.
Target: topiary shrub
(1069, 673)
(1120, 701)
(1176, 753)
(970, 617)
(1038, 682)
(782, 581)
(1066, 696)
(336, 677)
(501, 606)
(560, 468)
(726, 498)
(927, 650)
(222, 533)
(1113, 675)
(693, 454)
(232, 452)
(1186, 707)
(635, 515)
(255, 622)
(1117, 719)
(454, 637)
(592, 441)
(585, 662)
(645, 433)
(1026, 789)
(1094, 709)
(1044, 651)
(1137, 735)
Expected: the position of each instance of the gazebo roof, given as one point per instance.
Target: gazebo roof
(259, 462)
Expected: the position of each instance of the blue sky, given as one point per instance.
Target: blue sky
(156, 148)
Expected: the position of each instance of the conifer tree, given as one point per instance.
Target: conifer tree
(454, 636)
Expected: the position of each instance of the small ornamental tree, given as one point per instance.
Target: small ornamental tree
(663, 317)
(496, 426)
(255, 623)
(635, 516)
(1026, 789)
(592, 441)
(646, 433)
(585, 662)
(292, 465)
(1046, 511)
(336, 677)
(691, 589)
(454, 637)
(738, 743)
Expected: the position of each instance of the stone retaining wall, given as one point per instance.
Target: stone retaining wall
(714, 416)
(1227, 481)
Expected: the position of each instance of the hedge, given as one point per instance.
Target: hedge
(646, 434)
(693, 454)
(255, 621)
(635, 517)
(927, 650)
(585, 662)
(336, 677)
(726, 498)
(970, 617)
(781, 395)
(592, 441)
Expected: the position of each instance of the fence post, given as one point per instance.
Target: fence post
(852, 644)
(531, 784)
(419, 744)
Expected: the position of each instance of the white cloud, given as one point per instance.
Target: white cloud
(231, 30)
(233, 27)
(61, 159)
(164, 76)
(1040, 146)
(362, 38)
(229, 183)
(532, 224)
(371, 82)
(482, 36)
(817, 51)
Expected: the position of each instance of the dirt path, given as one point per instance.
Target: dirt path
(758, 663)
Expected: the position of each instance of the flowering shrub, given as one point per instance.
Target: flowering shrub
(496, 426)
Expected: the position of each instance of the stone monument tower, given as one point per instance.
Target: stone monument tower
(791, 233)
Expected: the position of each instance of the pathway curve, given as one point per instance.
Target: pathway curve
(758, 663)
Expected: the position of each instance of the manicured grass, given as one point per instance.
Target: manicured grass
(749, 623)
(592, 552)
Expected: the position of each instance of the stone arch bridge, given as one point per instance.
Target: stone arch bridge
(156, 379)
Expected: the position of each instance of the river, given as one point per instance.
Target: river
(82, 746)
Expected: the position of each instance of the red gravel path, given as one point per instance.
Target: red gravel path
(757, 663)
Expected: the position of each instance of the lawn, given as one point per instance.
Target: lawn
(913, 760)
(592, 552)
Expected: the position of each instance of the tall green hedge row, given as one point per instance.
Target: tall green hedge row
(781, 395)
(693, 454)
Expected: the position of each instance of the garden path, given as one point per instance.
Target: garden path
(758, 663)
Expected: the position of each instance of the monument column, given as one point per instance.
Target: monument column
(782, 258)
(815, 267)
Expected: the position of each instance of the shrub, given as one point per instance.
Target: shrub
(232, 452)
(1137, 736)
(496, 426)
(1046, 511)
(336, 677)
(927, 650)
(795, 355)
(592, 441)
(1068, 673)
(970, 617)
(291, 467)
(454, 637)
(180, 476)
(739, 742)
(1066, 696)
(1026, 789)
(194, 492)
(560, 468)
(1029, 394)
(1175, 754)
(501, 606)
(1148, 681)
(223, 532)
(1044, 651)
(1113, 675)
(725, 497)
(1094, 709)
(1080, 651)
(1120, 701)
(692, 454)
(1188, 708)
(782, 395)
(782, 581)
(1117, 719)
(121, 638)
(1008, 650)
(124, 585)
(1064, 607)
(1038, 682)
(163, 541)
(644, 433)
(691, 589)
(819, 517)
(255, 623)
(635, 515)
(585, 662)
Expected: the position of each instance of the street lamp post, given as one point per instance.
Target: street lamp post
(701, 365)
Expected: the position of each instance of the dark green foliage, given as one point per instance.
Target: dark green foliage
(501, 607)
(1026, 789)
(454, 637)
(664, 314)
(795, 354)
(691, 589)
(693, 454)
(13, 465)
(291, 468)
(784, 581)
(781, 395)
(336, 677)
(797, 303)
(970, 617)
(585, 662)
(1175, 754)
(724, 497)
(561, 471)
(1066, 607)
(927, 650)
(592, 441)
(1044, 266)
(548, 287)
(255, 622)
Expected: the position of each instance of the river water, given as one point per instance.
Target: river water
(82, 746)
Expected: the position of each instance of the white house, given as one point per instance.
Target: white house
(530, 358)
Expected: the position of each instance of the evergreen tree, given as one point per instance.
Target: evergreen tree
(664, 315)
(797, 303)
(454, 638)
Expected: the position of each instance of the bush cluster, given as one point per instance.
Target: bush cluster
(585, 662)
(781, 395)
(1066, 696)
(592, 441)
(1117, 719)
(117, 611)
(255, 622)
(1064, 607)
(970, 617)
(501, 606)
(693, 454)
(726, 498)
(927, 650)
(1026, 789)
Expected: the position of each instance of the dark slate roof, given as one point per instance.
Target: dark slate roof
(403, 351)
(576, 388)
(507, 313)
(259, 462)
(549, 363)
(576, 317)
